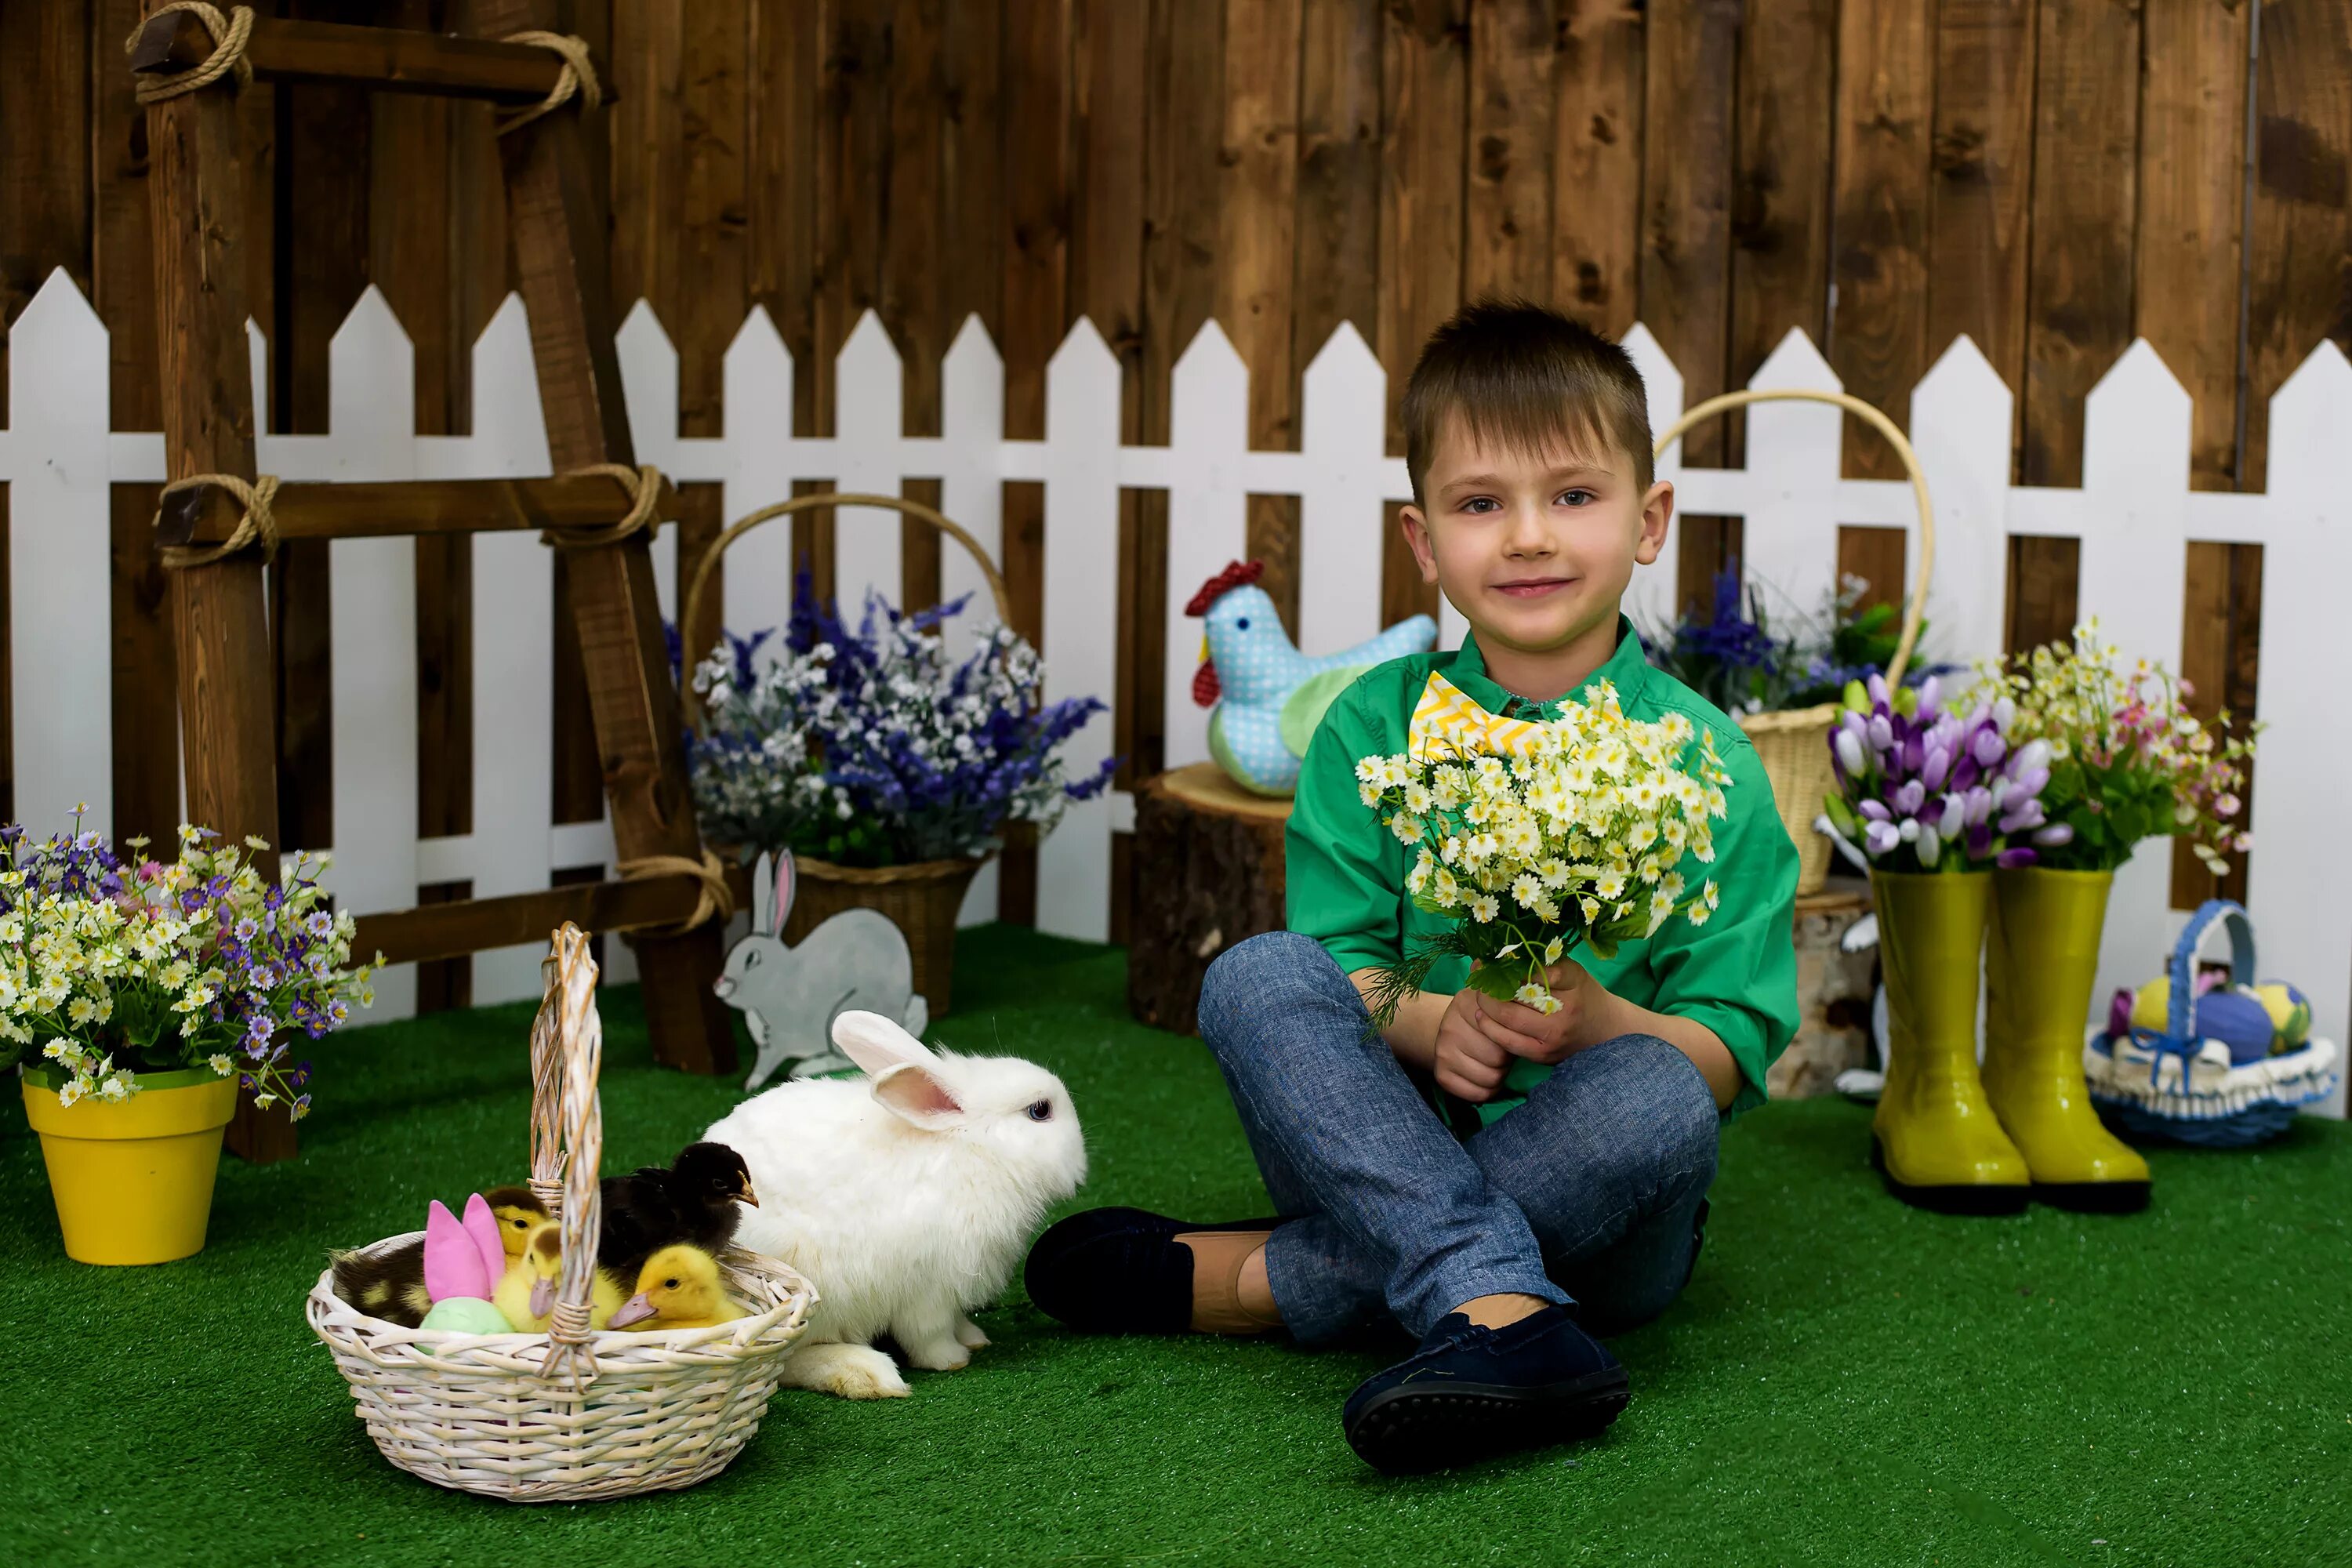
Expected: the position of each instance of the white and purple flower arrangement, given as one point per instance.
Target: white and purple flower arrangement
(1920, 788)
(873, 747)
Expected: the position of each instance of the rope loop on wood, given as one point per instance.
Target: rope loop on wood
(715, 901)
(644, 484)
(578, 77)
(257, 524)
(230, 35)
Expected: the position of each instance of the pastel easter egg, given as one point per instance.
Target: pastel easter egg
(466, 1315)
(2238, 1021)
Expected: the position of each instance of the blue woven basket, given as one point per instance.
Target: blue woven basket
(2170, 1084)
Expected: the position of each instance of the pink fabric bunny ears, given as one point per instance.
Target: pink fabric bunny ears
(462, 1259)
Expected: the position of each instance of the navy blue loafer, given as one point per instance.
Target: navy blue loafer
(1118, 1271)
(1470, 1394)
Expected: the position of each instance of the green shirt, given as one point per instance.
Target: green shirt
(1737, 974)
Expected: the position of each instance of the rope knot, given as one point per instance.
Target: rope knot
(578, 77)
(644, 484)
(230, 35)
(257, 524)
(714, 902)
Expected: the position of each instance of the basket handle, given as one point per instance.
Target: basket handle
(567, 1141)
(2181, 994)
(742, 526)
(1917, 607)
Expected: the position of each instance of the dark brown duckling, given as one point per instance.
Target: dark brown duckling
(692, 1201)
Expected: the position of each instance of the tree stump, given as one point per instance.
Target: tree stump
(1833, 991)
(1208, 874)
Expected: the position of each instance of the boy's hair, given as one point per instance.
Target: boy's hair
(1524, 376)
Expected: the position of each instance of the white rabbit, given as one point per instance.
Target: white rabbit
(906, 1197)
(789, 996)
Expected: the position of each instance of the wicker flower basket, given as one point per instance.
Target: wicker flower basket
(1794, 745)
(921, 900)
(574, 1414)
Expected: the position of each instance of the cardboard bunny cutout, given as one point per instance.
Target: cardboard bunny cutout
(789, 996)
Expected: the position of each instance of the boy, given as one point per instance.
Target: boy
(1569, 1198)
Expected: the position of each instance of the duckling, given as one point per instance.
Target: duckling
(679, 1288)
(517, 1214)
(527, 1294)
(392, 1285)
(693, 1201)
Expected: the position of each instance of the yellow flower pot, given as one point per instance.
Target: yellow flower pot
(2041, 965)
(132, 1180)
(1935, 1136)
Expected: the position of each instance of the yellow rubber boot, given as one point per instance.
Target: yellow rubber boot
(2041, 965)
(1935, 1137)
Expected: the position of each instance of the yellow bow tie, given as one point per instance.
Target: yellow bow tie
(1446, 723)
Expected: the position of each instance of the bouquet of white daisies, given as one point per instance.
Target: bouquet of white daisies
(1574, 835)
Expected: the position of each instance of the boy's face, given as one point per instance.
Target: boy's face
(1535, 551)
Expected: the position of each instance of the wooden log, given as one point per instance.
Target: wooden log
(403, 507)
(460, 926)
(1208, 874)
(388, 59)
(1833, 991)
(226, 719)
(559, 254)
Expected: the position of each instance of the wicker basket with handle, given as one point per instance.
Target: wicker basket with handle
(572, 1413)
(922, 899)
(1793, 745)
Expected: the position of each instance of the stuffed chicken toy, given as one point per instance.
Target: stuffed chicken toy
(1268, 696)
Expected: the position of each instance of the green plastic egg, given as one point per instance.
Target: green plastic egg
(468, 1315)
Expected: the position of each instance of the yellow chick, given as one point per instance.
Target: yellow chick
(517, 1214)
(679, 1288)
(527, 1292)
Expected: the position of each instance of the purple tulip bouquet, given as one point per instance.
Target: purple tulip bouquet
(1920, 788)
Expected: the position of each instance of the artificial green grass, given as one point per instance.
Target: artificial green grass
(1846, 1381)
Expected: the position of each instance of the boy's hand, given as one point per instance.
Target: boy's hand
(1546, 1038)
(1467, 1061)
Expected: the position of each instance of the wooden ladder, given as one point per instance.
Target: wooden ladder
(219, 610)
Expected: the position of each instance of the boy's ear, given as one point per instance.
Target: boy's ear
(1657, 512)
(1416, 539)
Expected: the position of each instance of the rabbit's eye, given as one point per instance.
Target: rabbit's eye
(751, 958)
(1041, 1110)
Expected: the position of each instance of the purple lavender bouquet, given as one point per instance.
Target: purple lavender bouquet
(111, 967)
(873, 747)
(1922, 789)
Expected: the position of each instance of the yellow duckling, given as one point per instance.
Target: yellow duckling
(517, 1214)
(679, 1288)
(527, 1293)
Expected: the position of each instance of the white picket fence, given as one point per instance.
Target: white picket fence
(2134, 515)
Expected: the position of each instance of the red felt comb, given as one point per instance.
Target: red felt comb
(1237, 574)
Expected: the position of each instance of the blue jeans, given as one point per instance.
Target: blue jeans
(1591, 1194)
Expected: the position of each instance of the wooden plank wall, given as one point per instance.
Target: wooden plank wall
(2050, 179)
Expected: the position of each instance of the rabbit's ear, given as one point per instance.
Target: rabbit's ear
(878, 1044)
(788, 881)
(762, 902)
(913, 1092)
